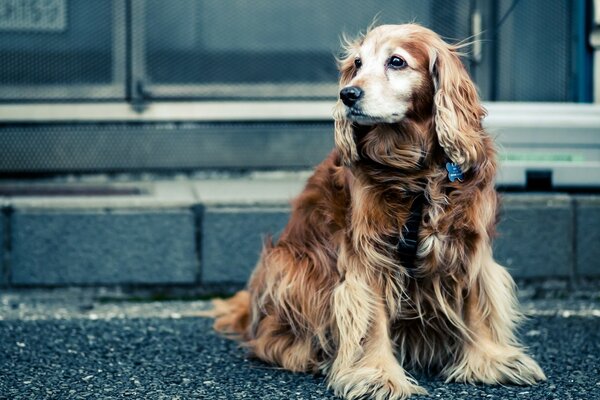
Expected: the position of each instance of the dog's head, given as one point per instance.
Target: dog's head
(399, 73)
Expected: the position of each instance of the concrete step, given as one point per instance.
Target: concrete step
(208, 232)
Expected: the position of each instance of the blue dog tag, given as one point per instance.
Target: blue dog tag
(454, 172)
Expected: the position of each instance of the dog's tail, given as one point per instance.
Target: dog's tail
(232, 316)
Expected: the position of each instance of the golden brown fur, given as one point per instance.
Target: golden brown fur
(332, 295)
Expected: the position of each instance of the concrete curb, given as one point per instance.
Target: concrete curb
(209, 233)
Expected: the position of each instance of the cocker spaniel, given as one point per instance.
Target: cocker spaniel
(386, 262)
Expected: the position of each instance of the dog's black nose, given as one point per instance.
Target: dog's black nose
(350, 95)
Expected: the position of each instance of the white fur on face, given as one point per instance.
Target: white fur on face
(387, 92)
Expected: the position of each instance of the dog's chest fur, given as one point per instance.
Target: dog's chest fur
(419, 293)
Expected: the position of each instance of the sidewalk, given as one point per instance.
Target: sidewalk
(74, 347)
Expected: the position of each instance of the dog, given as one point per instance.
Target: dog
(386, 262)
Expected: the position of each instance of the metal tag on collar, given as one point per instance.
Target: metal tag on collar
(454, 172)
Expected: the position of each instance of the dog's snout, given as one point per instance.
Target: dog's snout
(350, 95)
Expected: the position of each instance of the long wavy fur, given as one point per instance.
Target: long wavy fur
(332, 295)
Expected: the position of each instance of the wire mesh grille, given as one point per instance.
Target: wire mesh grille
(115, 147)
(279, 49)
(61, 49)
(124, 50)
(533, 45)
(69, 49)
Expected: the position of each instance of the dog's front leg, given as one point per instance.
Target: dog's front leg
(493, 354)
(365, 364)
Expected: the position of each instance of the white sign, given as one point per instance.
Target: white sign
(33, 15)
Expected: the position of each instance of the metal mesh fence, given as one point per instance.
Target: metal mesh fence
(116, 147)
(533, 51)
(71, 49)
(144, 51)
(279, 49)
(62, 49)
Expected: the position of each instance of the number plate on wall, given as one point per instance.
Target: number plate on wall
(33, 15)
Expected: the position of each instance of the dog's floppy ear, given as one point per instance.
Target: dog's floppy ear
(457, 109)
(344, 132)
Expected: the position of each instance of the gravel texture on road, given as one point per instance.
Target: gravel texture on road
(174, 356)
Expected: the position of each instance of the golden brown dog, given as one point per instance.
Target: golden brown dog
(341, 292)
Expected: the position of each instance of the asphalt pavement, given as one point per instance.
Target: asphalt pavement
(161, 351)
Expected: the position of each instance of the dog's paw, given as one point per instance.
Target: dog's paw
(376, 384)
(510, 365)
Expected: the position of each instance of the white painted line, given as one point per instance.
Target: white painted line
(591, 313)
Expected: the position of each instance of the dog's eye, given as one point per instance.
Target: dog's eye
(357, 63)
(396, 62)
